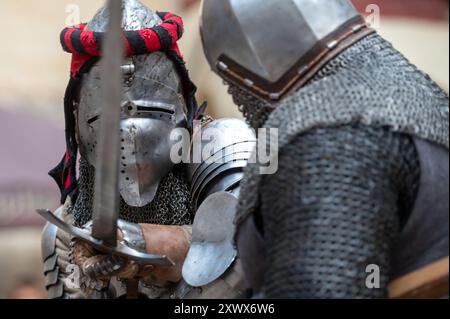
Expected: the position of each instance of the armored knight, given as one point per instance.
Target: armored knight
(165, 208)
(359, 205)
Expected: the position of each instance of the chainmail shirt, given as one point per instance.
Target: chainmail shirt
(171, 206)
(340, 211)
(347, 170)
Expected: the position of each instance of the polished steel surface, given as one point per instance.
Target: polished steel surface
(106, 189)
(271, 36)
(212, 251)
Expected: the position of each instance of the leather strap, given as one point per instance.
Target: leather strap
(430, 282)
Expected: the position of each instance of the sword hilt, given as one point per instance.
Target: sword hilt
(121, 249)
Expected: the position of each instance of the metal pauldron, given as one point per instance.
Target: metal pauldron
(215, 186)
(233, 142)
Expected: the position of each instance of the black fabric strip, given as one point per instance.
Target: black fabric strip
(164, 37)
(162, 15)
(179, 29)
(75, 37)
(189, 87)
(62, 171)
(87, 66)
(57, 174)
(62, 39)
(136, 41)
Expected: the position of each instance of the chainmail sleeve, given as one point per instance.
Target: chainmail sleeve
(334, 207)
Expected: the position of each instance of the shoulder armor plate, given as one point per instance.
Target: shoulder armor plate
(230, 142)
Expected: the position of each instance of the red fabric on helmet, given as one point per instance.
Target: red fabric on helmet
(151, 39)
(68, 179)
(84, 44)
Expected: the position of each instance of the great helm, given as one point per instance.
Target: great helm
(267, 46)
(153, 105)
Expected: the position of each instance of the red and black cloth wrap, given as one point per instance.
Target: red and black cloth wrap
(85, 47)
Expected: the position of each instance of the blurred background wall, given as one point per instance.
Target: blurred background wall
(34, 72)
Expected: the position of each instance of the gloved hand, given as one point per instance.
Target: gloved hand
(171, 241)
(98, 266)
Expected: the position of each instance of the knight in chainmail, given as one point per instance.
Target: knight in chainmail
(362, 181)
(155, 196)
(166, 244)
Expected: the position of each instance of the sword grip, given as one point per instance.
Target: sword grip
(132, 289)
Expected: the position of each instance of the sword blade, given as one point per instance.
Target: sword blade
(106, 191)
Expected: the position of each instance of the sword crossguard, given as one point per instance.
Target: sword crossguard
(121, 249)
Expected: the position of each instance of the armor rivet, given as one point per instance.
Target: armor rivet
(357, 27)
(274, 96)
(248, 82)
(128, 69)
(222, 66)
(332, 44)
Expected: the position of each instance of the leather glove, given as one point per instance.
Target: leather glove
(98, 266)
